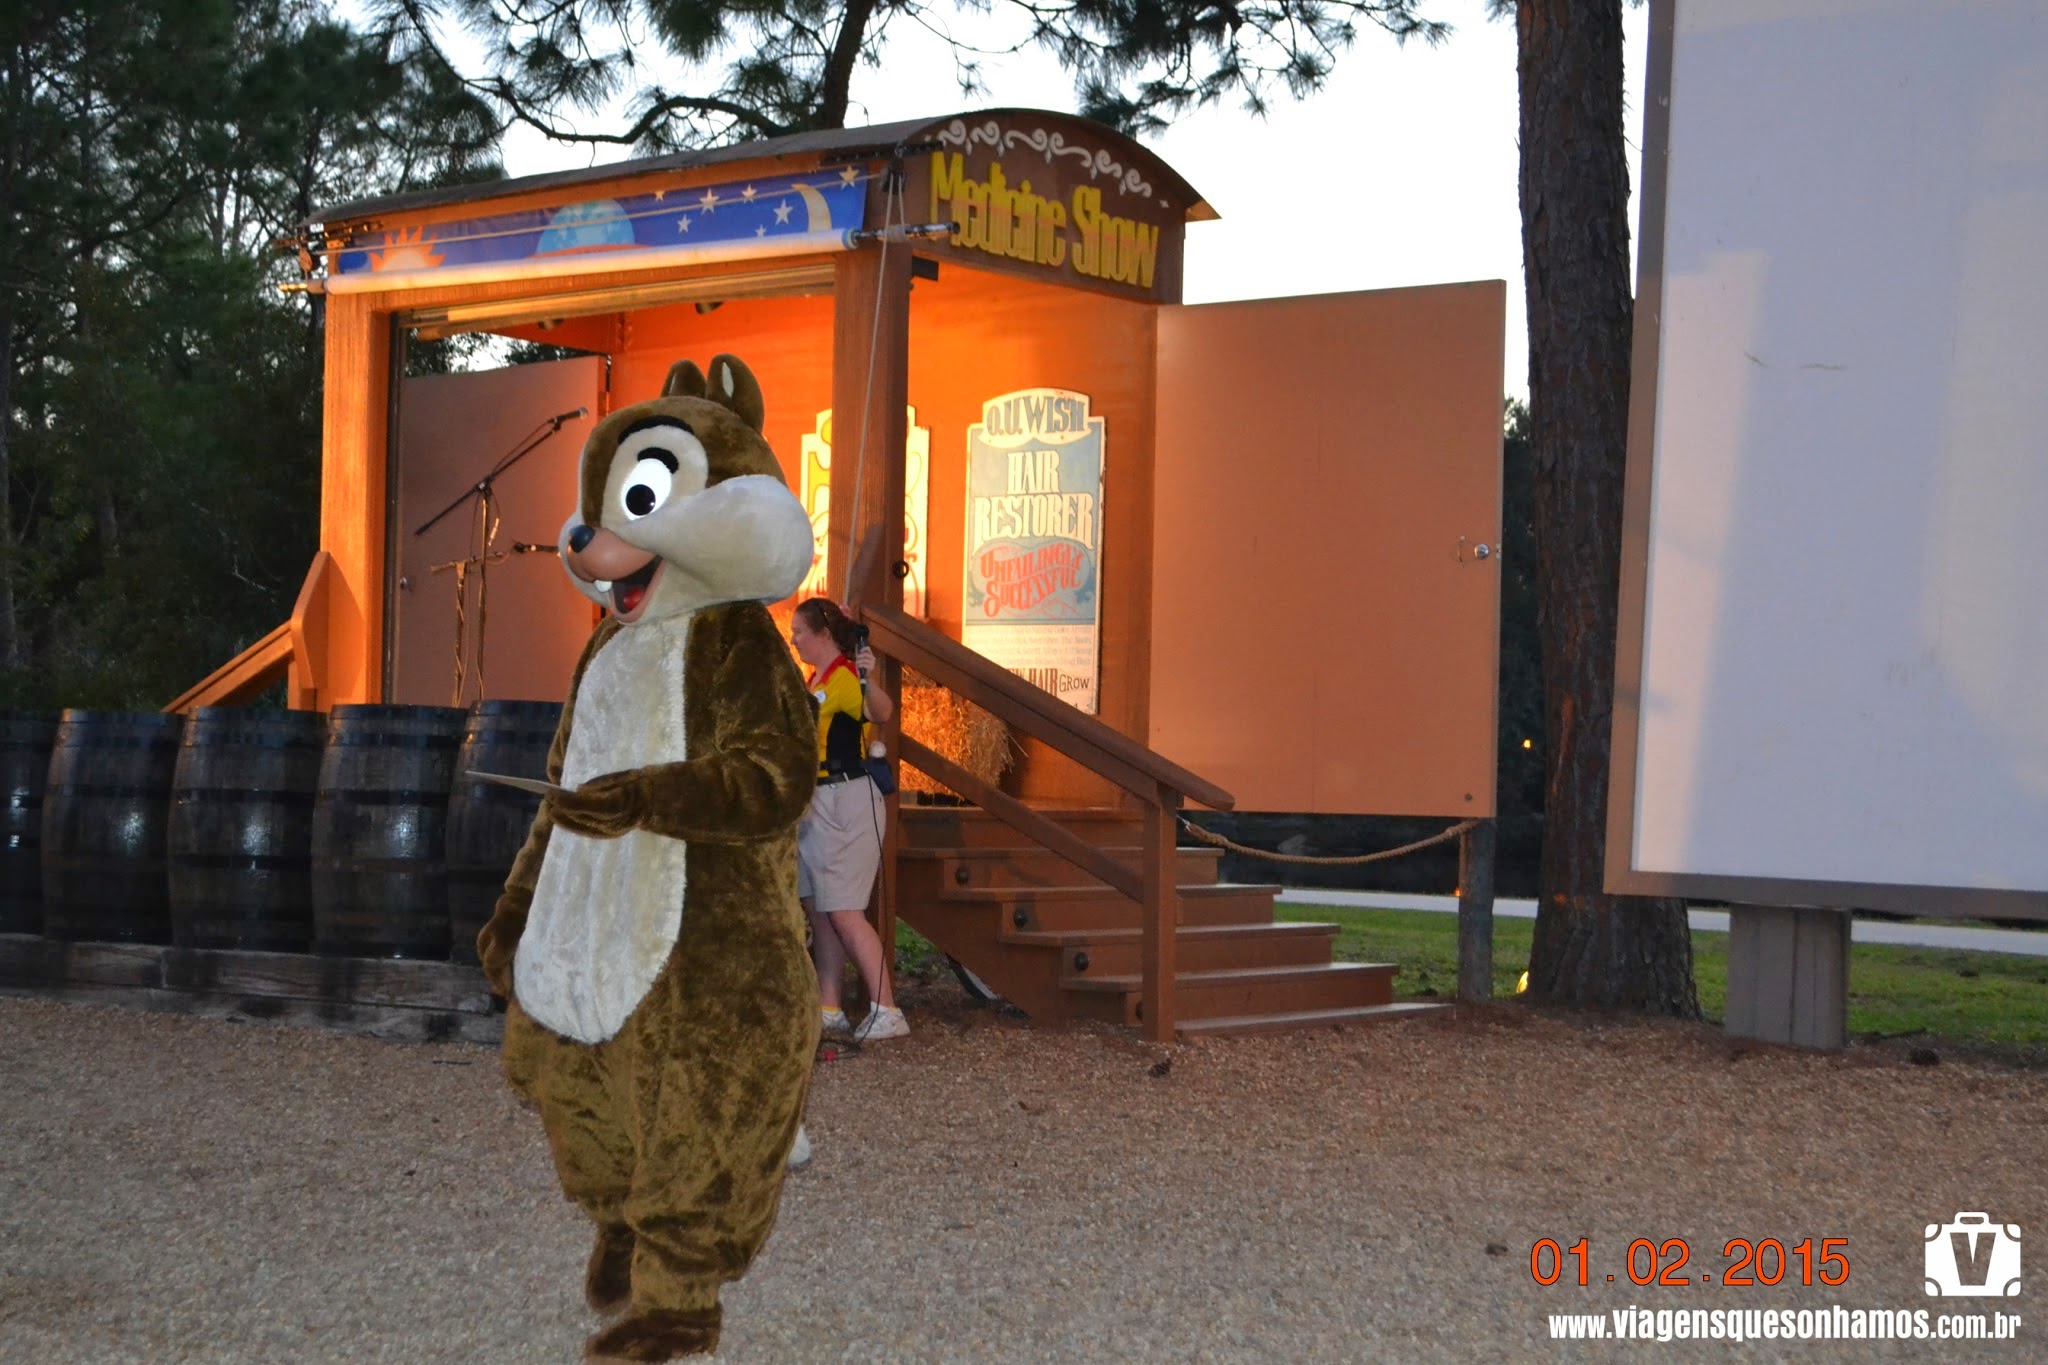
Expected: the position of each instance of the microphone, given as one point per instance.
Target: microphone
(562, 417)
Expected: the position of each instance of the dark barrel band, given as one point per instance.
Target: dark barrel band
(224, 738)
(360, 796)
(97, 742)
(243, 862)
(357, 739)
(221, 796)
(95, 792)
(479, 732)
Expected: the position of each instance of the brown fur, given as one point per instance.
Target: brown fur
(657, 1335)
(673, 1133)
(608, 1275)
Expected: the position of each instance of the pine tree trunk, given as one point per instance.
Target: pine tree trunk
(10, 165)
(10, 651)
(835, 86)
(1591, 949)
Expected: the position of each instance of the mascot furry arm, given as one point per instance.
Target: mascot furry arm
(753, 784)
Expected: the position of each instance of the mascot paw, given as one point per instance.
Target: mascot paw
(656, 1334)
(602, 808)
(608, 1278)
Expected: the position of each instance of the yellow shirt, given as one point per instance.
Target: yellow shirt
(838, 694)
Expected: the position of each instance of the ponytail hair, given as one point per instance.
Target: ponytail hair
(822, 613)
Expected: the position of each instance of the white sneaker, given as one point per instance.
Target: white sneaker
(800, 1151)
(883, 1021)
(835, 1024)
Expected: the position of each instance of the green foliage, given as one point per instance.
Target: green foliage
(788, 66)
(160, 449)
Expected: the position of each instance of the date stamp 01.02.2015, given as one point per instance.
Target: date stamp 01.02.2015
(1745, 1263)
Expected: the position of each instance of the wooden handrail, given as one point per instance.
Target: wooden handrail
(1158, 785)
(308, 680)
(1010, 699)
(295, 651)
(1025, 820)
(241, 678)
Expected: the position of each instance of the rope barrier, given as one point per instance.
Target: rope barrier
(1218, 841)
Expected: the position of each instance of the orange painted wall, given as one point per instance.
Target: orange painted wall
(975, 335)
(1326, 635)
(786, 342)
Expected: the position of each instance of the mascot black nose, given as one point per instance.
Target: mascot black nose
(581, 537)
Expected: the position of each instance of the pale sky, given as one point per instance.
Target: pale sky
(1401, 171)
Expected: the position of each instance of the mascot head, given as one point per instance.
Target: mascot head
(683, 505)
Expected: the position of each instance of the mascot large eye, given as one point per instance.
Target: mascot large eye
(648, 485)
(658, 461)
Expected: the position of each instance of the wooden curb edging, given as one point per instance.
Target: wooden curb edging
(391, 998)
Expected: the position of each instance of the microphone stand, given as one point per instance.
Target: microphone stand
(482, 487)
(482, 490)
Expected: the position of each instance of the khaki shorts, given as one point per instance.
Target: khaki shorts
(839, 846)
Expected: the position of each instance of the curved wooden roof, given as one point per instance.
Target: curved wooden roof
(874, 142)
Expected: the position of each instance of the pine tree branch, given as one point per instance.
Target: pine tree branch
(650, 119)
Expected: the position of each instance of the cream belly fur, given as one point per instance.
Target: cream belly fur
(591, 949)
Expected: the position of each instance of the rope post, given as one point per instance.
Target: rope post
(1475, 913)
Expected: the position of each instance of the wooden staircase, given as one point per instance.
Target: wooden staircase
(1063, 946)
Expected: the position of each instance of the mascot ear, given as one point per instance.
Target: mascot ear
(733, 385)
(685, 380)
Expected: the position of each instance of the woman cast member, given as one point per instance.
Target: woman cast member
(839, 842)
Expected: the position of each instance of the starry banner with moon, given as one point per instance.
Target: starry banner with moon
(741, 211)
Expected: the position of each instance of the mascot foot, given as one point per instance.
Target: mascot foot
(656, 1334)
(608, 1278)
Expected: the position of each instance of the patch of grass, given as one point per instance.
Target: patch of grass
(917, 955)
(1989, 998)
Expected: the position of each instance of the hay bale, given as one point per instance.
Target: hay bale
(954, 728)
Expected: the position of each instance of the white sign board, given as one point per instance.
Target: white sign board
(1833, 665)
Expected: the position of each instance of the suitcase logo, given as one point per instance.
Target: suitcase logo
(1973, 1256)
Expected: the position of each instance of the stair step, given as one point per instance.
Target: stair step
(1230, 1025)
(1058, 908)
(951, 868)
(1251, 990)
(1206, 947)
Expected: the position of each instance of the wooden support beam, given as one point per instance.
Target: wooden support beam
(1788, 975)
(1159, 920)
(870, 425)
(870, 401)
(354, 453)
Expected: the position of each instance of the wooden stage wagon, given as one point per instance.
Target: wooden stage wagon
(1230, 555)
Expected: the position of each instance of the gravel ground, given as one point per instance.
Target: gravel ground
(175, 1189)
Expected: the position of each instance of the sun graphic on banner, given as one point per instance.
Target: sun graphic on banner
(406, 250)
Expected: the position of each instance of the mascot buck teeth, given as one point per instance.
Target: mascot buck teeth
(662, 1011)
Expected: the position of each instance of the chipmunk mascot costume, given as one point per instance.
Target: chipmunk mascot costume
(662, 1011)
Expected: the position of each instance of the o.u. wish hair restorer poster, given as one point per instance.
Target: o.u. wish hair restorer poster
(1034, 540)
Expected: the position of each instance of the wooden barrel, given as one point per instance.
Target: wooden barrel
(487, 821)
(380, 818)
(25, 740)
(240, 842)
(105, 811)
